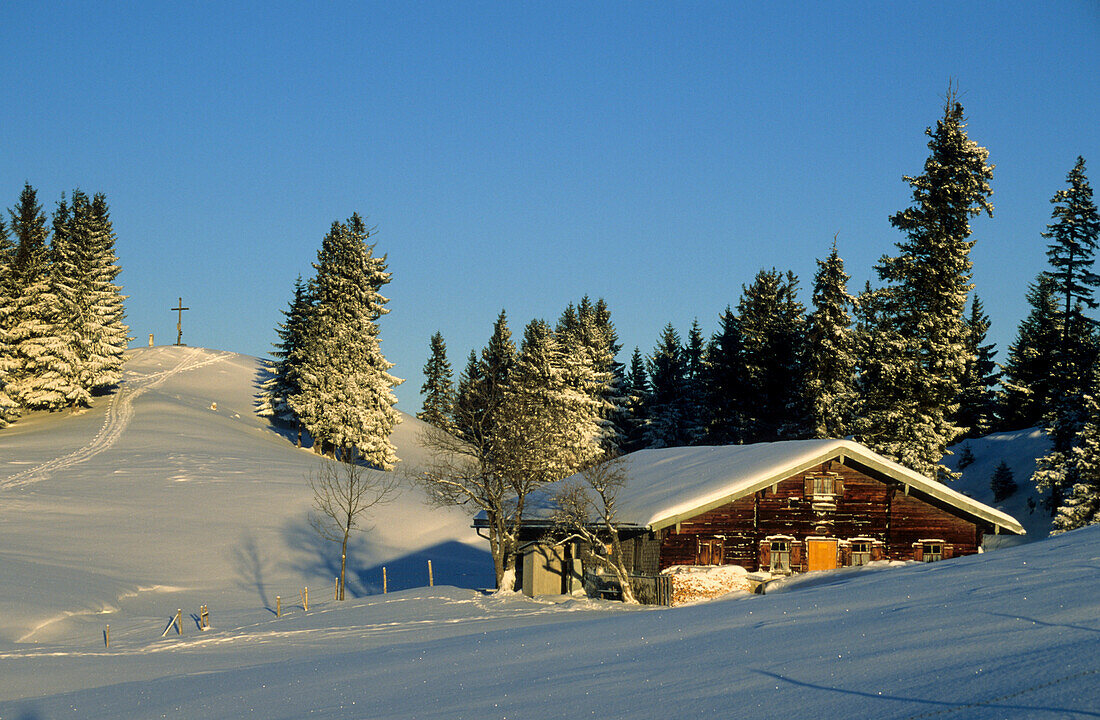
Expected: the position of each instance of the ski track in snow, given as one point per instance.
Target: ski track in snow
(119, 414)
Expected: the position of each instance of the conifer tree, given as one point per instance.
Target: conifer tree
(1073, 243)
(481, 387)
(552, 428)
(289, 354)
(977, 399)
(9, 409)
(772, 324)
(636, 394)
(438, 387)
(927, 286)
(1027, 383)
(44, 359)
(105, 335)
(666, 410)
(830, 351)
(1077, 470)
(1073, 239)
(696, 420)
(68, 287)
(1002, 483)
(613, 394)
(345, 398)
(587, 340)
(727, 389)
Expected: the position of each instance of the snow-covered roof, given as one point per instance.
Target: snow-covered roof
(668, 485)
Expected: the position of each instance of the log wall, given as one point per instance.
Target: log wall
(864, 507)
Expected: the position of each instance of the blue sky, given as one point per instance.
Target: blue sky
(522, 155)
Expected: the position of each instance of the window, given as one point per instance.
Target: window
(824, 485)
(861, 552)
(932, 551)
(709, 552)
(781, 556)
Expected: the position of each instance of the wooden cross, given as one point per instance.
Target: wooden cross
(179, 321)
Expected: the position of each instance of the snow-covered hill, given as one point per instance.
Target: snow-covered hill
(1019, 450)
(172, 494)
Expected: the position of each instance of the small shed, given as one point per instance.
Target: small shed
(782, 507)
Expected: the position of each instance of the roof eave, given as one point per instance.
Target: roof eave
(840, 451)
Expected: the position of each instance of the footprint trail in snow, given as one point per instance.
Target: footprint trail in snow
(119, 414)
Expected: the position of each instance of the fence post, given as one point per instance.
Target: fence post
(278, 606)
(431, 579)
(107, 636)
(305, 599)
(385, 587)
(336, 592)
(179, 621)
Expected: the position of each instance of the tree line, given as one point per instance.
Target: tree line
(903, 366)
(62, 329)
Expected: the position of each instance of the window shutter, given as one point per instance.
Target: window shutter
(809, 489)
(918, 552)
(838, 486)
(796, 555)
(765, 555)
(948, 551)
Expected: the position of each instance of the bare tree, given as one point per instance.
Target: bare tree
(586, 513)
(462, 473)
(342, 494)
(496, 470)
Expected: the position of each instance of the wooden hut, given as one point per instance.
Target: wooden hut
(784, 507)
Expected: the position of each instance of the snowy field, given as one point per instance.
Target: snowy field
(159, 499)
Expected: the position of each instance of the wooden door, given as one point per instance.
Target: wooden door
(821, 553)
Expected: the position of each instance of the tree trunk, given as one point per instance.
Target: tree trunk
(619, 566)
(343, 563)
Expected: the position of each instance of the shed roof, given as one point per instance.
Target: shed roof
(665, 486)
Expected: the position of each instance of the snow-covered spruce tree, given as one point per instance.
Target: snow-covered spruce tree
(345, 397)
(1073, 238)
(772, 324)
(666, 410)
(880, 419)
(288, 354)
(727, 389)
(927, 285)
(68, 287)
(830, 351)
(588, 347)
(548, 429)
(104, 336)
(636, 394)
(9, 409)
(43, 378)
(1027, 382)
(613, 393)
(438, 387)
(978, 399)
(1078, 470)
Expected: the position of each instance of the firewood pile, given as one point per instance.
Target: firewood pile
(692, 583)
